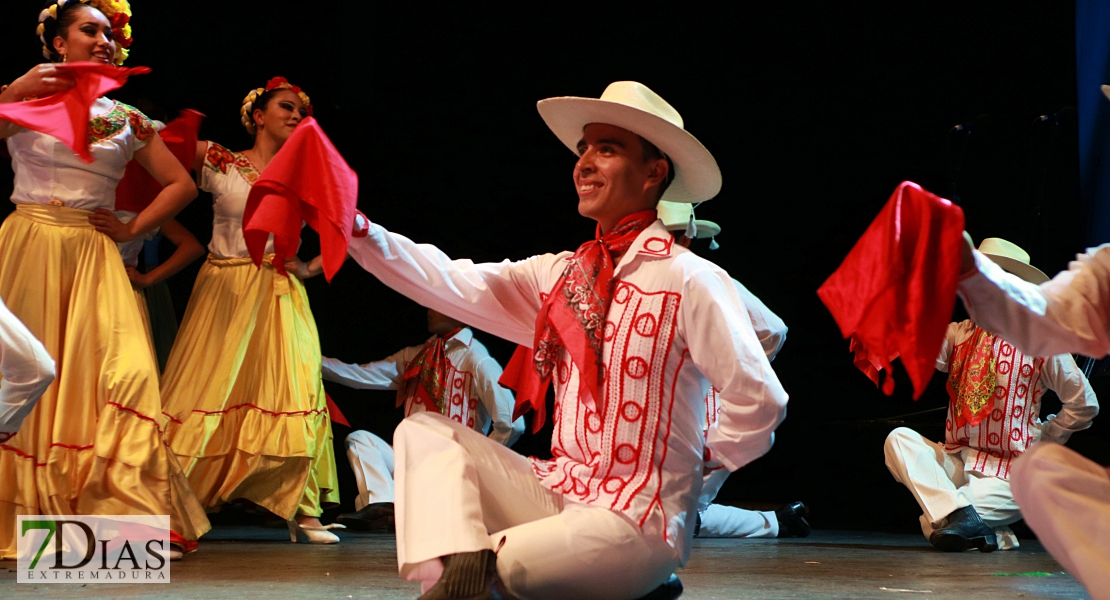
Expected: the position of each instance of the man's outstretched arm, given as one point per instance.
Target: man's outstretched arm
(1070, 314)
(500, 298)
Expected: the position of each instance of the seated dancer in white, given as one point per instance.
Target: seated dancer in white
(26, 370)
(962, 485)
(1064, 497)
(718, 520)
(453, 374)
(634, 330)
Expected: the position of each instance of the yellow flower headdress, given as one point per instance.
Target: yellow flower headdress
(117, 11)
(277, 83)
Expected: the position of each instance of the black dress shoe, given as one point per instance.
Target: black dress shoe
(963, 529)
(376, 517)
(469, 576)
(792, 520)
(668, 590)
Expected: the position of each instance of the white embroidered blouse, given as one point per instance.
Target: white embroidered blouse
(228, 176)
(48, 172)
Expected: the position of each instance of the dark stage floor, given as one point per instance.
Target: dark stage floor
(254, 562)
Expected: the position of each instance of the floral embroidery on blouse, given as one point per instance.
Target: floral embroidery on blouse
(220, 159)
(112, 123)
(140, 125)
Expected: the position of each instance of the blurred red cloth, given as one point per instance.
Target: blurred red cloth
(308, 181)
(65, 115)
(138, 188)
(334, 413)
(894, 293)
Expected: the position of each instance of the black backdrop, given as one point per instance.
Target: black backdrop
(814, 111)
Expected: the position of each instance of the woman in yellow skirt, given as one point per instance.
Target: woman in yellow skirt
(93, 444)
(242, 390)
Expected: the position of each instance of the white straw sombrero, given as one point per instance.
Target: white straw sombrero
(632, 106)
(1012, 259)
(678, 216)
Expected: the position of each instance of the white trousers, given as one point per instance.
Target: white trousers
(1066, 500)
(727, 521)
(459, 491)
(371, 459)
(942, 483)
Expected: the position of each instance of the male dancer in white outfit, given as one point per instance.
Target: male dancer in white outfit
(718, 520)
(1065, 497)
(634, 330)
(472, 396)
(26, 370)
(963, 484)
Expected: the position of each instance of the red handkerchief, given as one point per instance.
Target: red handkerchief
(336, 414)
(65, 115)
(894, 293)
(138, 188)
(521, 377)
(307, 181)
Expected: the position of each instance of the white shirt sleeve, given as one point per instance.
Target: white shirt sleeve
(497, 402)
(499, 298)
(382, 374)
(1069, 314)
(724, 348)
(26, 368)
(1080, 405)
(769, 328)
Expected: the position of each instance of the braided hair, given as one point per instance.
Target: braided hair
(59, 15)
(259, 99)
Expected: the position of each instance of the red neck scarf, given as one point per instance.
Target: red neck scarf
(971, 379)
(573, 317)
(427, 373)
(65, 115)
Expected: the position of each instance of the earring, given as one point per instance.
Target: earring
(65, 58)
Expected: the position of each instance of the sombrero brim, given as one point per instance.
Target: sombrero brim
(696, 175)
(1027, 272)
(706, 229)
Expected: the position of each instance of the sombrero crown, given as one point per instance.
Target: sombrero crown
(632, 106)
(677, 216)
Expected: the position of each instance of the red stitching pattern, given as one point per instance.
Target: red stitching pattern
(314, 411)
(22, 454)
(611, 462)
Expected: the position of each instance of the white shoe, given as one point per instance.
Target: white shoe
(1006, 538)
(176, 554)
(313, 535)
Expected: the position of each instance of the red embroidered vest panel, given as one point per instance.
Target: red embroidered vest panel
(461, 405)
(606, 459)
(1013, 423)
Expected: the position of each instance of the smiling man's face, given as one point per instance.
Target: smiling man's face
(611, 176)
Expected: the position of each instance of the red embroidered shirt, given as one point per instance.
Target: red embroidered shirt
(676, 324)
(475, 399)
(1014, 421)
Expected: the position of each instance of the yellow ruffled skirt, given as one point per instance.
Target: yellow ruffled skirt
(92, 444)
(144, 316)
(243, 396)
